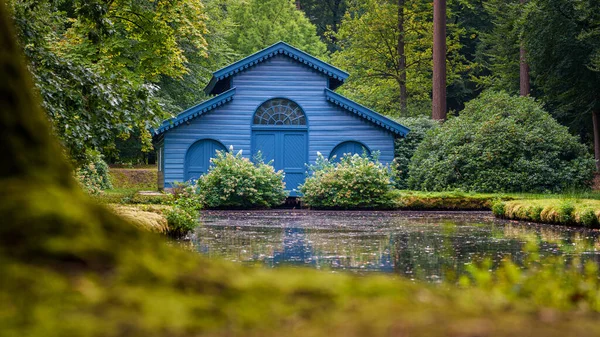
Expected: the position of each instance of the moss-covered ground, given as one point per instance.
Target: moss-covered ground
(70, 267)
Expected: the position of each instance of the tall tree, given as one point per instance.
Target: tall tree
(439, 60)
(327, 16)
(386, 46)
(260, 23)
(561, 39)
(401, 50)
(97, 63)
(499, 51)
(524, 82)
(177, 94)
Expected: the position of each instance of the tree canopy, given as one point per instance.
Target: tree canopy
(109, 70)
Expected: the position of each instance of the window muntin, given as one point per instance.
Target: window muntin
(279, 111)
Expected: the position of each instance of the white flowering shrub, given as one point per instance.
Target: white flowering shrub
(354, 182)
(236, 182)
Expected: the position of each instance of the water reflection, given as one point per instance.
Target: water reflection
(420, 246)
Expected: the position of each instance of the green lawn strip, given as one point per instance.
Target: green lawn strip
(565, 211)
(134, 178)
(416, 200)
(131, 196)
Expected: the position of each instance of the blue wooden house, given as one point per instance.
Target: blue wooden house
(279, 101)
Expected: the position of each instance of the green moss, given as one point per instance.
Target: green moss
(70, 267)
(578, 212)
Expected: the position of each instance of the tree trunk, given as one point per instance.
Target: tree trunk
(439, 60)
(298, 5)
(595, 122)
(401, 59)
(524, 84)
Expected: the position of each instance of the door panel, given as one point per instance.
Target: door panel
(265, 143)
(294, 159)
(288, 150)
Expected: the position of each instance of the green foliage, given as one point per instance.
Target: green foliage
(236, 182)
(564, 211)
(551, 282)
(261, 23)
(93, 176)
(498, 208)
(405, 147)
(97, 63)
(178, 94)
(354, 182)
(183, 217)
(499, 49)
(501, 143)
(561, 38)
(326, 15)
(368, 39)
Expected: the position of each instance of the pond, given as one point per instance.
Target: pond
(427, 246)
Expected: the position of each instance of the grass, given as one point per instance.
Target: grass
(146, 217)
(565, 210)
(134, 178)
(417, 200)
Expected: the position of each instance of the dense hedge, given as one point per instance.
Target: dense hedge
(236, 182)
(353, 182)
(406, 146)
(501, 143)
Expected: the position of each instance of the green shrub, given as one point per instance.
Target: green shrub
(354, 182)
(588, 218)
(535, 213)
(501, 143)
(565, 212)
(236, 182)
(405, 147)
(93, 175)
(183, 217)
(498, 209)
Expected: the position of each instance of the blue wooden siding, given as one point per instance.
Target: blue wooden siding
(280, 76)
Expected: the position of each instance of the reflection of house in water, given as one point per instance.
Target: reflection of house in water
(296, 248)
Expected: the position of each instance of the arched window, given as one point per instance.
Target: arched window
(279, 111)
(349, 147)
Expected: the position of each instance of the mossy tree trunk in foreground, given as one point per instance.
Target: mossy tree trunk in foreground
(68, 267)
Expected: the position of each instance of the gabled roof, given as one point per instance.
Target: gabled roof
(282, 48)
(366, 113)
(195, 111)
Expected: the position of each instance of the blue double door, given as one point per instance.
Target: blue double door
(288, 149)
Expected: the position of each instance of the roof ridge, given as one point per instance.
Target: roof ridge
(195, 111)
(366, 113)
(270, 51)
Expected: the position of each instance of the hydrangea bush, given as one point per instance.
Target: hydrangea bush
(501, 143)
(237, 182)
(353, 182)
